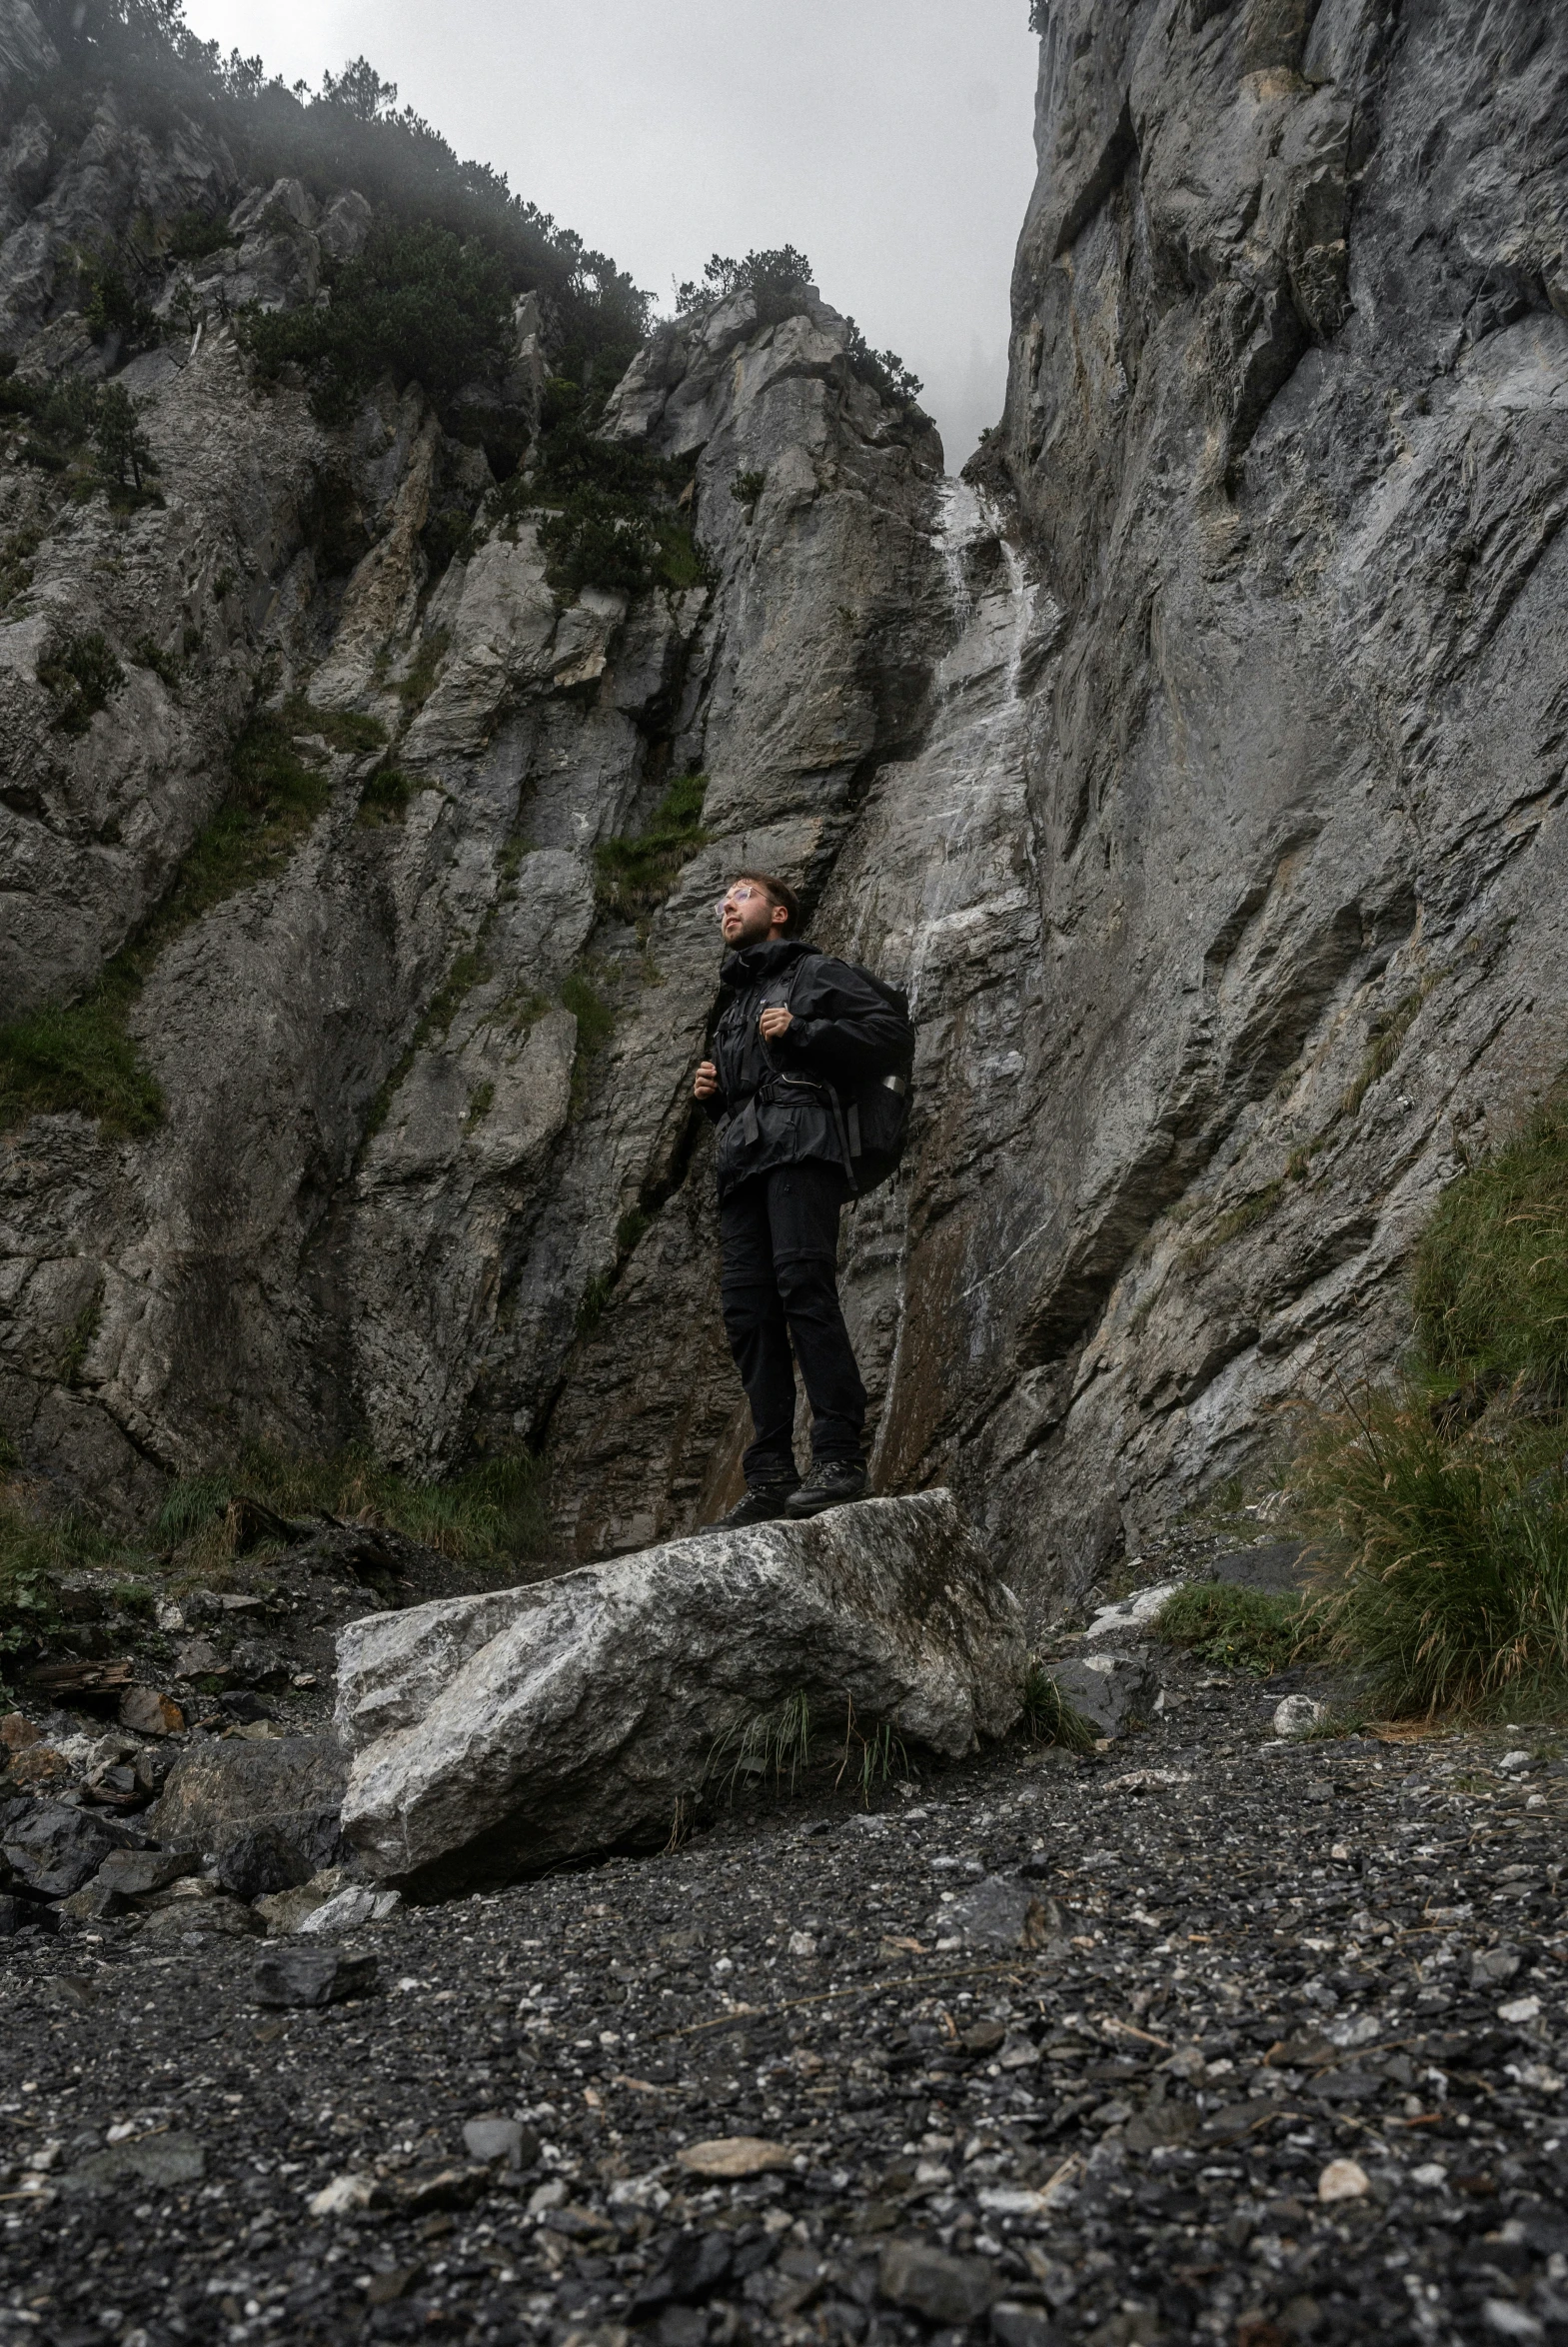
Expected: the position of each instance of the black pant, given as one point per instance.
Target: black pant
(779, 1232)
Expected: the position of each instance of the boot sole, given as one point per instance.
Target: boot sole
(803, 1516)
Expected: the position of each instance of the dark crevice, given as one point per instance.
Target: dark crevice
(1120, 153)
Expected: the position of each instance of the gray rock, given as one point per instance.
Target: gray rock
(1491, 1967)
(1109, 1689)
(53, 1849)
(138, 1874)
(218, 1917)
(263, 1859)
(310, 1976)
(287, 1911)
(1001, 1912)
(1298, 1716)
(1109, 749)
(349, 1909)
(509, 1731)
(954, 2291)
(1015, 2324)
(289, 1786)
(156, 2160)
(93, 1903)
(1275, 1566)
(490, 2138)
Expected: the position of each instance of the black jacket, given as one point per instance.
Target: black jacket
(773, 1107)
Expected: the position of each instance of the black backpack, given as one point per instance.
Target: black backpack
(874, 1119)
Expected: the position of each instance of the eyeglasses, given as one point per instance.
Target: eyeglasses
(738, 898)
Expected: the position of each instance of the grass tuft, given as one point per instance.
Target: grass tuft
(1440, 1508)
(775, 1743)
(1491, 1275)
(492, 1513)
(635, 876)
(1449, 1556)
(1237, 1629)
(1047, 1715)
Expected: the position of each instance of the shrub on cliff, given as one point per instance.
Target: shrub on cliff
(419, 305)
(349, 133)
(613, 516)
(779, 282)
(635, 875)
(1440, 1508)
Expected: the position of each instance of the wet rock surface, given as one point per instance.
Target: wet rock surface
(1205, 2038)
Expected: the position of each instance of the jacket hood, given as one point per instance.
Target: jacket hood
(752, 964)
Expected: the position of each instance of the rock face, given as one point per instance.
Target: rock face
(1197, 764)
(510, 1733)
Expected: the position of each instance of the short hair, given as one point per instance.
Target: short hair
(781, 893)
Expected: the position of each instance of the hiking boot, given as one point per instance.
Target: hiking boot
(764, 1504)
(830, 1482)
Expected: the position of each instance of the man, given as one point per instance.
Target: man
(797, 1027)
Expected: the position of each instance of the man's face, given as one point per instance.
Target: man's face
(747, 915)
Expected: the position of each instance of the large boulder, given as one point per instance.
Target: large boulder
(225, 1794)
(498, 1735)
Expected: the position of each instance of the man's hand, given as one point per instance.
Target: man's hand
(775, 1023)
(705, 1085)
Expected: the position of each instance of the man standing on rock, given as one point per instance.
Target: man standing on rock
(797, 1031)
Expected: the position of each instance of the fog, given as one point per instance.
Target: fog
(891, 140)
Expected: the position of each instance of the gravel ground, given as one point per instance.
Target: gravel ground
(1266, 1976)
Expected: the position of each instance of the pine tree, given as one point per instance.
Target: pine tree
(123, 451)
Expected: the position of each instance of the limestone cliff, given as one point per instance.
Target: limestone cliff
(1198, 764)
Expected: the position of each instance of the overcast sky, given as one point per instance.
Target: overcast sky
(890, 139)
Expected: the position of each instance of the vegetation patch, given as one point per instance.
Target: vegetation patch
(612, 517)
(16, 564)
(635, 876)
(415, 689)
(81, 1056)
(1440, 1506)
(491, 1513)
(386, 796)
(779, 282)
(595, 1024)
(80, 674)
(1234, 1628)
(419, 304)
(1047, 1715)
(1245, 1215)
(1384, 1044)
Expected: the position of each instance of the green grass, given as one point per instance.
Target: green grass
(1243, 1216)
(1386, 1042)
(386, 796)
(1439, 1506)
(1448, 1557)
(1047, 1715)
(81, 674)
(489, 1514)
(34, 1549)
(80, 1055)
(83, 1329)
(1238, 1629)
(416, 688)
(775, 1743)
(595, 1024)
(491, 1518)
(1491, 1275)
(635, 876)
